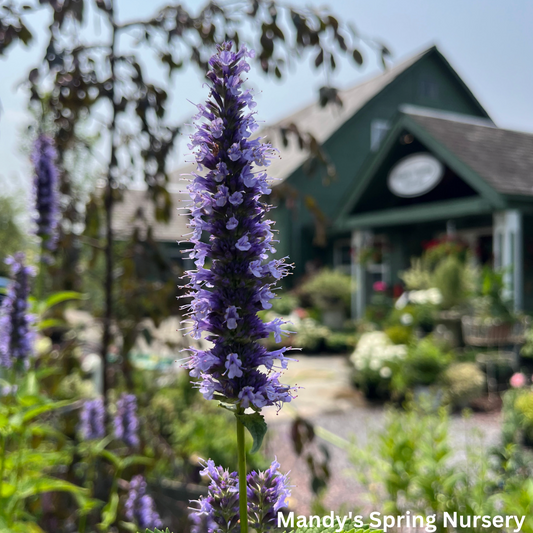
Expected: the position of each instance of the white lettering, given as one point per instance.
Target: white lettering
(301, 521)
(329, 520)
(375, 521)
(388, 522)
(358, 521)
(486, 521)
(314, 517)
(497, 521)
(519, 524)
(448, 519)
(341, 523)
(289, 522)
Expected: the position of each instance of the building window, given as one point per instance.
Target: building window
(378, 130)
(428, 88)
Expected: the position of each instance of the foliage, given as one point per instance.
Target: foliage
(310, 335)
(407, 467)
(490, 301)
(188, 424)
(285, 304)
(399, 334)
(12, 237)
(376, 359)
(465, 382)
(423, 366)
(527, 348)
(418, 277)
(328, 289)
(440, 249)
(340, 342)
(449, 278)
(31, 449)
(524, 407)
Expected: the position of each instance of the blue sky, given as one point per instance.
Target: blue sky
(488, 42)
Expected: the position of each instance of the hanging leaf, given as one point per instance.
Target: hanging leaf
(358, 58)
(256, 425)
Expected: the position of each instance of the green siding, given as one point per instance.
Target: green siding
(349, 146)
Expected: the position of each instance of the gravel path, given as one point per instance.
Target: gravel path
(329, 403)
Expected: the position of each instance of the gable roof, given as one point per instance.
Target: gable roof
(135, 210)
(503, 158)
(322, 122)
(494, 161)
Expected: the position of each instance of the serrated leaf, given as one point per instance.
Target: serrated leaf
(256, 425)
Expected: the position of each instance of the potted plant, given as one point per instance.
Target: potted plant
(330, 292)
(492, 322)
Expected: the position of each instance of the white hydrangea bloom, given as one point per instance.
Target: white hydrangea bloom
(375, 351)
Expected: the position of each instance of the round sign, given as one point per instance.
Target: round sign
(415, 175)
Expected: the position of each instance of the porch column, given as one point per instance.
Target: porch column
(358, 271)
(508, 253)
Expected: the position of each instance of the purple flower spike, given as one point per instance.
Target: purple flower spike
(231, 232)
(220, 508)
(267, 493)
(140, 507)
(46, 190)
(16, 333)
(92, 420)
(219, 511)
(126, 422)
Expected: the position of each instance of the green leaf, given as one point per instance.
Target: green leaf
(256, 425)
(137, 460)
(50, 323)
(20, 419)
(109, 512)
(60, 297)
(7, 490)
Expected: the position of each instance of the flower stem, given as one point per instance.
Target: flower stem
(243, 503)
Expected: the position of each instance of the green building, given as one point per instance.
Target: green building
(416, 157)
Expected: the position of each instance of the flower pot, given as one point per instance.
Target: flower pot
(334, 317)
(479, 331)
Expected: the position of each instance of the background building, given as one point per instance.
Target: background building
(415, 156)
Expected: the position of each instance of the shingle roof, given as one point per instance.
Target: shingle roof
(136, 210)
(321, 122)
(503, 158)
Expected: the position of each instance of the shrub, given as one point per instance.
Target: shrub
(284, 304)
(375, 359)
(399, 334)
(327, 289)
(423, 366)
(338, 341)
(310, 335)
(524, 407)
(465, 382)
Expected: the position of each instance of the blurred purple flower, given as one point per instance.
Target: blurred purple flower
(46, 190)
(267, 493)
(140, 507)
(16, 333)
(126, 422)
(92, 419)
(219, 510)
(227, 210)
